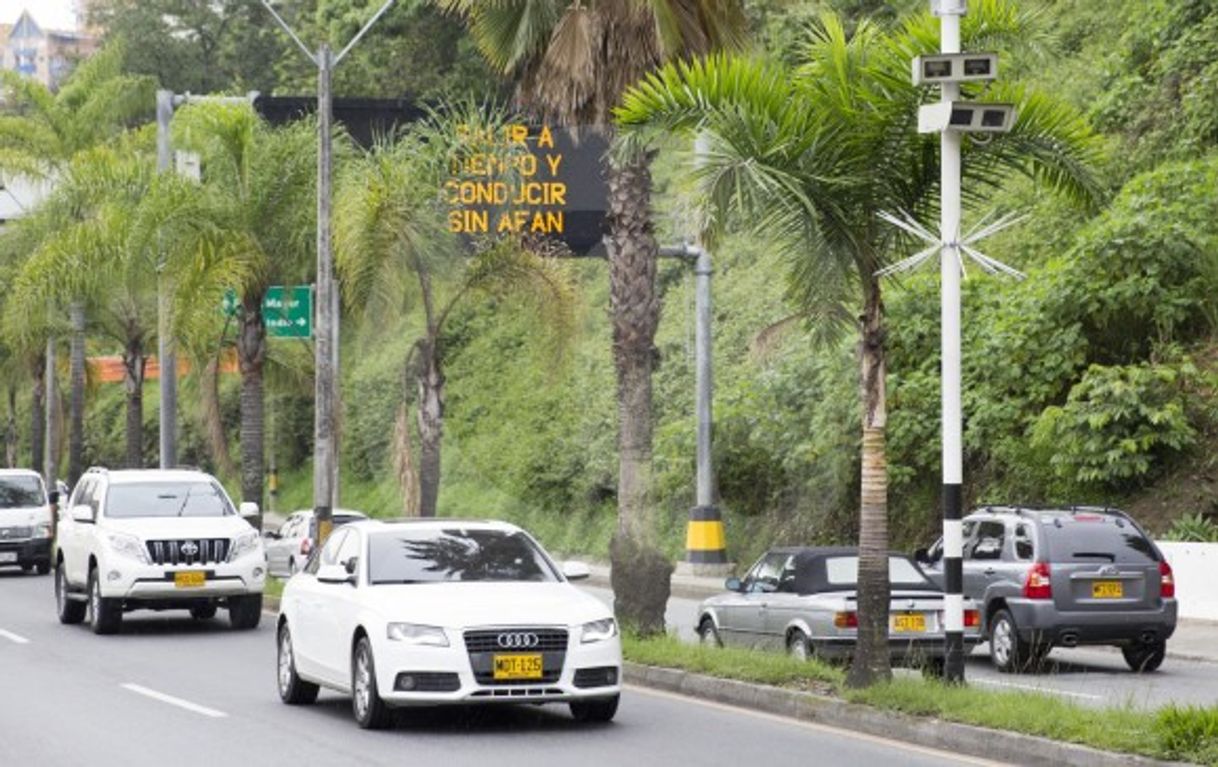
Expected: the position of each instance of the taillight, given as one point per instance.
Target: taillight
(1167, 581)
(846, 620)
(306, 545)
(972, 619)
(1037, 584)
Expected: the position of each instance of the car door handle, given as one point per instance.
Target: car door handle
(989, 571)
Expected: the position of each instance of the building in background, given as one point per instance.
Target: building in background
(47, 56)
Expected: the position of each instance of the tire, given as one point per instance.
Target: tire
(105, 614)
(203, 612)
(798, 646)
(292, 569)
(245, 612)
(1009, 653)
(1144, 658)
(933, 668)
(599, 710)
(25, 568)
(370, 711)
(293, 690)
(70, 611)
(708, 636)
(44, 567)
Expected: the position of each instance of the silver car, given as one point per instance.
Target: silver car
(805, 600)
(288, 549)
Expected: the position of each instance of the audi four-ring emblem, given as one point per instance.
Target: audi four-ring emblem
(517, 640)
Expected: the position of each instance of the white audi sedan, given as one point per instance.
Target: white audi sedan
(444, 611)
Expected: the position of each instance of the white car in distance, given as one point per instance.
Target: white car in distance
(432, 612)
(289, 547)
(156, 539)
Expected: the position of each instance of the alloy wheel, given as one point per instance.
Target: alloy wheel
(1002, 643)
(363, 677)
(285, 661)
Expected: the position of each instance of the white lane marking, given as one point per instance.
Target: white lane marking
(1034, 688)
(13, 637)
(162, 697)
(827, 729)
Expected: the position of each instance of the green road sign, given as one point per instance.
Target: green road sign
(287, 312)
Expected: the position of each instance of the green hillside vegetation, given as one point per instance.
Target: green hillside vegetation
(1093, 381)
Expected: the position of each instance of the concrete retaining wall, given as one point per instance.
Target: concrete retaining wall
(1195, 566)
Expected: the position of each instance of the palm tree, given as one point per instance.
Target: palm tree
(572, 62)
(40, 133)
(259, 182)
(392, 247)
(811, 155)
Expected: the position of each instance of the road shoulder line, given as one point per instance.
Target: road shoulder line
(998, 745)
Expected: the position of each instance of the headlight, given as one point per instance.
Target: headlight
(42, 530)
(243, 544)
(598, 631)
(128, 546)
(410, 633)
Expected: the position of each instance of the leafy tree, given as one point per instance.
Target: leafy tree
(260, 184)
(811, 156)
(572, 62)
(392, 247)
(40, 133)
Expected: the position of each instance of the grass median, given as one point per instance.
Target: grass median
(1174, 732)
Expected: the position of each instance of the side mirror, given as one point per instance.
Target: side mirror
(576, 571)
(922, 556)
(83, 514)
(248, 511)
(334, 574)
(733, 584)
(271, 535)
(351, 566)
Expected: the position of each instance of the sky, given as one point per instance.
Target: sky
(51, 14)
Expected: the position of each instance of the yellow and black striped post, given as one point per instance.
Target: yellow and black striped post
(705, 543)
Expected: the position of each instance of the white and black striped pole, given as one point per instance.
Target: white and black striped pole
(949, 12)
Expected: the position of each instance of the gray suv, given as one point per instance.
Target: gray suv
(1064, 576)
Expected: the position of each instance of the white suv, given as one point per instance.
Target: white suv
(160, 540)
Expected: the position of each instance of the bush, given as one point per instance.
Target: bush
(1118, 426)
(1193, 528)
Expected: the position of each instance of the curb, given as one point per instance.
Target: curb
(965, 739)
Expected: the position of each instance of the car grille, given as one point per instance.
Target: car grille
(193, 551)
(484, 644)
(15, 533)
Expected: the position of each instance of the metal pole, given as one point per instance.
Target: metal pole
(50, 462)
(324, 381)
(950, 12)
(165, 351)
(704, 383)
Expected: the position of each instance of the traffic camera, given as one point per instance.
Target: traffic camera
(966, 117)
(955, 68)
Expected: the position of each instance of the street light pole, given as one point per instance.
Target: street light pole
(325, 346)
(166, 357)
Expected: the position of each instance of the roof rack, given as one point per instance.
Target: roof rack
(1109, 510)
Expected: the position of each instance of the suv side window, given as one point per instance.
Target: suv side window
(989, 541)
(1024, 550)
(329, 553)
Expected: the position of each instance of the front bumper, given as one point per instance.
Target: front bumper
(29, 552)
(449, 674)
(134, 581)
(1040, 620)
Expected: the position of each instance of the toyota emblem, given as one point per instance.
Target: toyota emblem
(189, 549)
(518, 640)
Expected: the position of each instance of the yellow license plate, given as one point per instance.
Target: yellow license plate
(910, 622)
(1107, 590)
(518, 666)
(189, 579)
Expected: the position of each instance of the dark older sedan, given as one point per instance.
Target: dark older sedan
(805, 600)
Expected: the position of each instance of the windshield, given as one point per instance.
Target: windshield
(21, 492)
(166, 499)
(443, 556)
(843, 572)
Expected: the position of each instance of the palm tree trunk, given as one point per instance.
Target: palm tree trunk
(76, 408)
(38, 413)
(640, 572)
(871, 662)
(251, 357)
(133, 380)
(213, 422)
(431, 428)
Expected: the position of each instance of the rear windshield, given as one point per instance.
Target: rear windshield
(844, 572)
(166, 499)
(1097, 540)
(439, 556)
(21, 492)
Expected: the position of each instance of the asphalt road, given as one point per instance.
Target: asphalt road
(1090, 676)
(169, 690)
